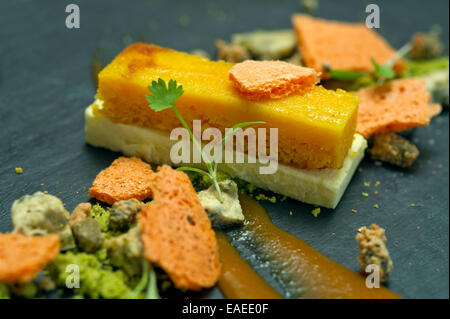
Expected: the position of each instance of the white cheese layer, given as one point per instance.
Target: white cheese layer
(321, 187)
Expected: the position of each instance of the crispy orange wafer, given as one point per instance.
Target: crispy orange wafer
(434, 109)
(23, 257)
(126, 178)
(177, 233)
(343, 45)
(395, 106)
(271, 79)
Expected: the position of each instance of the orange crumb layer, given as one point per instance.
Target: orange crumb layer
(177, 233)
(315, 130)
(126, 178)
(395, 106)
(23, 257)
(272, 79)
(344, 45)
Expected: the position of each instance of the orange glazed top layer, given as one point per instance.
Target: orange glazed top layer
(315, 130)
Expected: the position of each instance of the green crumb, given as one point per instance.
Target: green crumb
(290, 213)
(365, 194)
(420, 68)
(271, 199)
(27, 290)
(4, 291)
(282, 199)
(413, 205)
(184, 21)
(395, 214)
(366, 184)
(95, 280)
(19, 170)
(377, 183)
(315, 211)
(376, 206)
(310, 5)
(101, 215)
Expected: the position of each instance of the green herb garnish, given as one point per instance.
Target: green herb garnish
(148, 280)
(346, 75)
(164, 97)
(383, 72)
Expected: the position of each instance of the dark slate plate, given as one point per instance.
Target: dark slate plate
(45, 84)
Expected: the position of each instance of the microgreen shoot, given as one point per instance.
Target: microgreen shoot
(382, 72)
(148, 279)
(345, 75)
(164, 97)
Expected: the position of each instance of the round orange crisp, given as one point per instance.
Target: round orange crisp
(23, 257)
(271, 79)
(177, 233)
(126, 178)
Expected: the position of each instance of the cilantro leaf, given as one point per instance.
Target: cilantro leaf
(383, 71)
(163, 96)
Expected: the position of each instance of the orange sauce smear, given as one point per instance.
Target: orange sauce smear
(238, 280)
(302, 270)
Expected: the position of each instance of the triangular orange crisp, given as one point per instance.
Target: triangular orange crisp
(395, 106)
(343, 45)
(177, 233)
(23, 257)
(271, 79)
(126, 178)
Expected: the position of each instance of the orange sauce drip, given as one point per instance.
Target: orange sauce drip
(238, 280)
(302, 270)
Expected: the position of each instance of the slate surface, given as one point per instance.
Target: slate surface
(45, 84)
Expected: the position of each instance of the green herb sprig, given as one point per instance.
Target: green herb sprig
(164, 97)
(148, 280)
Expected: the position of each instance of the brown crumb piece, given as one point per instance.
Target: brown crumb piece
(82, 211)
(231, 52)
(354, 211)
(393, 149)
(200, 53)
(427, 45)
(373, 251)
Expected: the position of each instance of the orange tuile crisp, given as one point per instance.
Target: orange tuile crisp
(394, 106)
(271, 79)
(343, 45)
(126, 178)
(177, 233)
(434, 109)
(23, 257)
